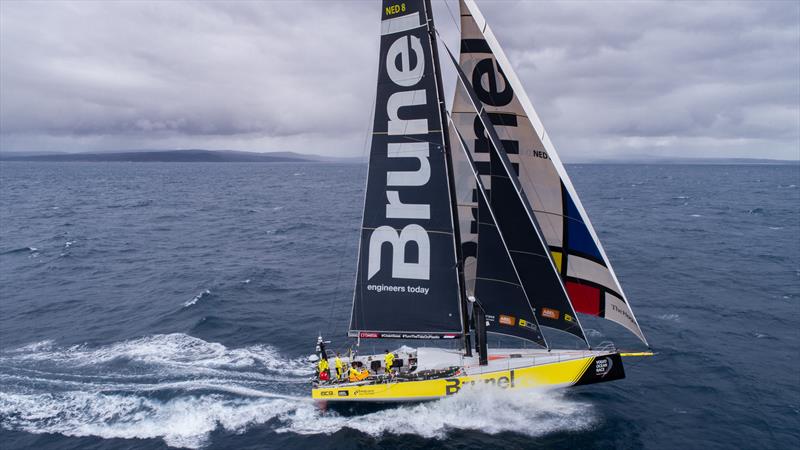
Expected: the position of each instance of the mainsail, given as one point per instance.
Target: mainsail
(576, 251)
(407, 282)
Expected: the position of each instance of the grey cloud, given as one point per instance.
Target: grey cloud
(608, 78)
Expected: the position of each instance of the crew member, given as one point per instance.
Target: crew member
(357, 374)
(389, 360)
(338, 364)
(323, 370)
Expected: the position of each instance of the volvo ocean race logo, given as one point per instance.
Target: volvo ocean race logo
(405, 65)
(602, 367)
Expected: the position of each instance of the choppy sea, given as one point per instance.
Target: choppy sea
(157, 305)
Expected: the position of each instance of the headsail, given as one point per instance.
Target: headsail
(526, 245)
(407, 282)
(587, 273)
(497, 283)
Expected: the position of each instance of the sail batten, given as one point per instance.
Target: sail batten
(590, 281)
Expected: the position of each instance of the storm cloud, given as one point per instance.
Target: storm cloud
(609, 79)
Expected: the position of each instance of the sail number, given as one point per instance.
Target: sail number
(394, 9)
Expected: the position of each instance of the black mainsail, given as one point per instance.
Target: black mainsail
(407, 283)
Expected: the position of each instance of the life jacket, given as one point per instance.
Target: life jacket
(352, 374)
(323, 365)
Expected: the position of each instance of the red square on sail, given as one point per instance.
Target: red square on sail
(585, 299)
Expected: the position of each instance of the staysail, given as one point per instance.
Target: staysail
(407, 283)
(497, 281)
(579, 257)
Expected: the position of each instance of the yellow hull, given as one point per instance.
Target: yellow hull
(587, 370)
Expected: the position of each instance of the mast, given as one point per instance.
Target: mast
(450, 178)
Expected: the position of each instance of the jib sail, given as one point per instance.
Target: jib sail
(579, 257)
(407, 282)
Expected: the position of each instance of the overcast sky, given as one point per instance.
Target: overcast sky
(609, 79)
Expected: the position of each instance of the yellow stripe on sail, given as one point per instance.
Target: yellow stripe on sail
(557, 260)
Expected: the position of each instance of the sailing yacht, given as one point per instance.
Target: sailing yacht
(471, 226)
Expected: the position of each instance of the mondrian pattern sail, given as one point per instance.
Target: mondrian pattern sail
(585, 269)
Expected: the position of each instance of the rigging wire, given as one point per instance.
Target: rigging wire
(364, 154)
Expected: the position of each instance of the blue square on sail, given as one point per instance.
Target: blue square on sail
(578, 238)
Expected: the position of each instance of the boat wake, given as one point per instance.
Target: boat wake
(181, 389)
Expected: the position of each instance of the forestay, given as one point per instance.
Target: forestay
(576, 251)
(407, 281)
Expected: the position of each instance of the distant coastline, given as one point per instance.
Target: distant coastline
(194, 155)
(228, 156)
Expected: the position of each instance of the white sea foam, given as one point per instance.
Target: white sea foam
(133, 406)
(181, 422)
(672, 317)
(175, 351)
(196, 298)
(490, 410)
(591, 332)
(187, 421)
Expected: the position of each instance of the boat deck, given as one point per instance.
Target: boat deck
(431, 359)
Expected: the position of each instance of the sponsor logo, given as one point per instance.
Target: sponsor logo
(568, 318)
(602, 367)
(375, 335)
(525, 324)
(455, 384)
(507, 320)
(326, 393)
(551, 313)
(405, 67)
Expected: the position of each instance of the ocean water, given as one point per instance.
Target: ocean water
(173, 305)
